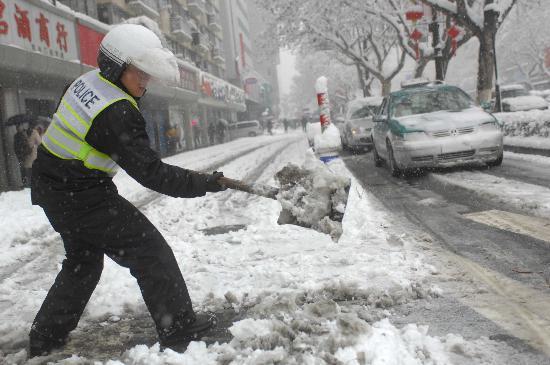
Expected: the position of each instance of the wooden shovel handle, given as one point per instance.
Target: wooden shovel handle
(257, 189)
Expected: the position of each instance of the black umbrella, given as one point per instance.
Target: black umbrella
(27, 118)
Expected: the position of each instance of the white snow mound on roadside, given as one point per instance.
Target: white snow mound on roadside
(328, 141)
(308, 195)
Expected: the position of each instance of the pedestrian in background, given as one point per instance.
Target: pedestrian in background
(196, 132)
(270, 127)
(34, 140)
(220, 131)
(285, 124)
(23, 150)
(212, 132)
(304, 123)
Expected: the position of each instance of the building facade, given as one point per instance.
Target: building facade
(239, 29)
(43, 47)
(266, 56)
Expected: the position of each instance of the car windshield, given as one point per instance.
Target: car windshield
(429, 101)
(364, 112)
(513, 93)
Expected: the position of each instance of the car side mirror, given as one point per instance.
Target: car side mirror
(380, 118)
(487, 106)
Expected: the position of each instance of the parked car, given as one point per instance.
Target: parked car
(249, 128)
(358, 123)
(517, 98)
(434, 125)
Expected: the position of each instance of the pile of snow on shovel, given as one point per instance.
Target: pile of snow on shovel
(313, 197)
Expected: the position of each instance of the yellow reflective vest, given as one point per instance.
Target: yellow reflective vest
(85, 98)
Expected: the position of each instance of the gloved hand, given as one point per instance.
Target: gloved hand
(212, 184)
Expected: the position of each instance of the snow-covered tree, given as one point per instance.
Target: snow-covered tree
(372, 35)
(394, 13)
(524, 39)
(483, 18)
(370, 43)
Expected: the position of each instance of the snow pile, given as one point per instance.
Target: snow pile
(319, 333)
(528, 102)
(526, 124)
(312, 130)
(328, 142)
(542, 93)
(530, 129)
(312, 197)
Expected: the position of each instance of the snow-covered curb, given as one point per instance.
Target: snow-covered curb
(536, 143)
(529, 198)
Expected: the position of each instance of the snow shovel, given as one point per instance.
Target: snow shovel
(318, 206)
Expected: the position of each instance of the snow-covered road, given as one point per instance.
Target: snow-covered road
(480, 226)
(523, 183)
(307, 299)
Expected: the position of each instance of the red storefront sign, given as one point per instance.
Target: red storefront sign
(90, 40)
(34, 27)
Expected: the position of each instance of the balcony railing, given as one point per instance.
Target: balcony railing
(181, 29)
(144, 7)
(217, 56)
(197, 7)
(214, 24)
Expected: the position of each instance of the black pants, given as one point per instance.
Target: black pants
(25, 175)
(115, 228)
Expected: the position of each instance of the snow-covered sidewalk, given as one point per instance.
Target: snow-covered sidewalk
(291, 281)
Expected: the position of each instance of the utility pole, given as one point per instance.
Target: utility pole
(491, 17)
(436, 44)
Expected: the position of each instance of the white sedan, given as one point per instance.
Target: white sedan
(434, 125)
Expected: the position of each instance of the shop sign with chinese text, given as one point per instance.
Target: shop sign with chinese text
(221, 90)
(36, 29)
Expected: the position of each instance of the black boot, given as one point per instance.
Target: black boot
(41, 345)
(178, 338)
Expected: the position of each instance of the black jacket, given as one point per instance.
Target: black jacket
(118, 131)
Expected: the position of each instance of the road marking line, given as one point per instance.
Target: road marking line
(535, 227)
(520, 310)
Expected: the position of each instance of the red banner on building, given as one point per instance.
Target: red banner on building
(547, 58)
(90, 40)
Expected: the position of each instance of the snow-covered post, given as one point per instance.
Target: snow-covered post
(322, 100)
(328, 144)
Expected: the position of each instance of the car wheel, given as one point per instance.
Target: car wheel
(252, 134)
(394, 169)
(377, 160)
(496, 162)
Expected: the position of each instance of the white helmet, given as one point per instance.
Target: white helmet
(133, 44)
